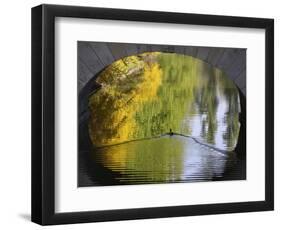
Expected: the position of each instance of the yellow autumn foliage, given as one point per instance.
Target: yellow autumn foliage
(124, 87)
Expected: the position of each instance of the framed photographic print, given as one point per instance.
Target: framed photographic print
(142, 114)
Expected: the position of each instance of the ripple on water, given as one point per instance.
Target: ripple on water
(164, 159)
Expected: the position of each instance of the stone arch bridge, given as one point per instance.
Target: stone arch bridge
(93, 57)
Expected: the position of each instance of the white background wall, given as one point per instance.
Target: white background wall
(15, 114)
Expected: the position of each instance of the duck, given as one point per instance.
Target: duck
(171, 132)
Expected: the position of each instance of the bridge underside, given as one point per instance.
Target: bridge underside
(95, 56)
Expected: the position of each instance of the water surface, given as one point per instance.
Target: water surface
(160, 118)
(167, 158)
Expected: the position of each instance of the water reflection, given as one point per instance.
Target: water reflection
(179, 159)
(140, 99)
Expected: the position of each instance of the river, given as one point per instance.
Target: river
(142, 98)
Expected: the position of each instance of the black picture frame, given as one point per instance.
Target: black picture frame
(43, 114)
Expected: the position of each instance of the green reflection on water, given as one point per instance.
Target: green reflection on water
(147, 95)
(179, 159)
(142, 97)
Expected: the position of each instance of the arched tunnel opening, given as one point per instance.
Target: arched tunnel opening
(146, 96)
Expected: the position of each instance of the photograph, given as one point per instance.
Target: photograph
(142, 114)
(154, 114)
